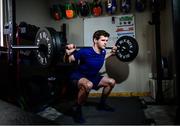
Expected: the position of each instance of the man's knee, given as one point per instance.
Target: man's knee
(112, 82)
(87, 85)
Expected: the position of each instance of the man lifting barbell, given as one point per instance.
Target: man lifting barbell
(86, 76)
(50, 47)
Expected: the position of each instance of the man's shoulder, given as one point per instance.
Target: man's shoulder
(87, 49)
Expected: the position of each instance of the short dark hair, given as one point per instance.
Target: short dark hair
(99, 33)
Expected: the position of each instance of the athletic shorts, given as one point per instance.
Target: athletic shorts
(75, 77)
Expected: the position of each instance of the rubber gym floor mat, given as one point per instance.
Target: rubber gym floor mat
(128, 111)
(12, 115)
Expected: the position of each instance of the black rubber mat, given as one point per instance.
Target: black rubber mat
(128, 110)
(12, 115)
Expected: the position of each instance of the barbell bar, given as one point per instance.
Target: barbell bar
(44, 57)
(49, 47)
(34, 47)
(44, 49)
(30, 47)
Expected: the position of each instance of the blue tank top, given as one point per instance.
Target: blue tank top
(90, 62)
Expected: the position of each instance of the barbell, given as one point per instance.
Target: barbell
(49, 47)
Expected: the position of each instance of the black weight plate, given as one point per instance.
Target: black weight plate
(127, 48)
(63, 44)
(46, 41)
(60, 46)
(55, 40)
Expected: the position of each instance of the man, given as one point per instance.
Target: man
(86, 76)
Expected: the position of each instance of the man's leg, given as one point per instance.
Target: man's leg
(84, 86)
(107, 84)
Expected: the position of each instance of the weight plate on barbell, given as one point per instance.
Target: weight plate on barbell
(60, 46)
(46, 42)
(51, 47)
(127, 48)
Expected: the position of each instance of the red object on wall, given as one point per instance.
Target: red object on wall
(97, 11)
(57, 16)
(69, 14)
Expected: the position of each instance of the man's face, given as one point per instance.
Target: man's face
(101, 42)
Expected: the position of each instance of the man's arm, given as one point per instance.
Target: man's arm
(108, 54)
(111, 53)
(69, 55)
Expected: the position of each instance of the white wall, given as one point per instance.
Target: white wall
(131, 77)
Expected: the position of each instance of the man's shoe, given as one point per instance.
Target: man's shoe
(105, 107)
(78, 117)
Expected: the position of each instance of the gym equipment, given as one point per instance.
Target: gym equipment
(83, 8)
(127, 48)
(125, 6)
(70, 10)
(156, 22)
(27, 31)
(140, 5)
(97, 8)
(165, 68)
(49, 47)
(57, 12)
(111, 6)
